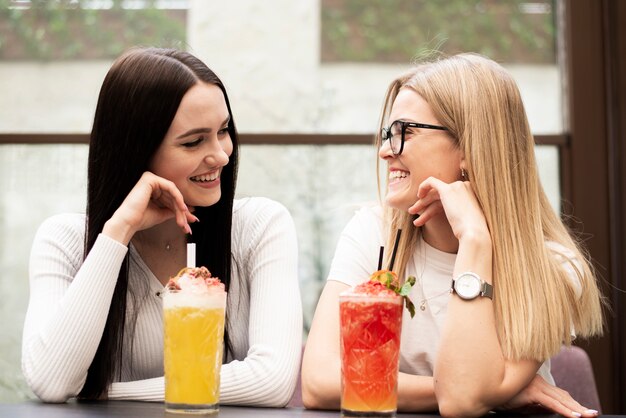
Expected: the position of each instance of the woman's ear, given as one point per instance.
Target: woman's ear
(463, 163)
(463, 170)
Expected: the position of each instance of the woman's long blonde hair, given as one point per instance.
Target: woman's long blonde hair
(536, 303)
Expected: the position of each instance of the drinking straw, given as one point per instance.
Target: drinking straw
(395, 248)
(191, 254)
(380, 257)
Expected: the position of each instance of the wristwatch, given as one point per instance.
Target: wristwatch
(469, 286)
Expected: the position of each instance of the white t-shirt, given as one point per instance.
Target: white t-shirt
(356, 258)
(70, 299)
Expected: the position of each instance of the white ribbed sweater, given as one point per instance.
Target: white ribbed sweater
(69, 303)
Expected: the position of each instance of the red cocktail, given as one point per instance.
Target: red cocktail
(370, 321)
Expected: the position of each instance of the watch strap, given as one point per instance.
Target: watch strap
(487, 290)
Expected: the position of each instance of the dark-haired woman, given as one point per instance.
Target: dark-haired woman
(161, 172)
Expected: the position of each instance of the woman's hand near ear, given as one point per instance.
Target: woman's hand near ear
(457, 200)
(152, 201)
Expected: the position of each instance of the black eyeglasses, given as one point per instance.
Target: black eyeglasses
(396, 132)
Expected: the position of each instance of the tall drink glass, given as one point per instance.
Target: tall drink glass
(370, 347)
(193, 345)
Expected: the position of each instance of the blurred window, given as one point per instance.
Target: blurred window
(306, 88)
(397, 31)
(87, 29)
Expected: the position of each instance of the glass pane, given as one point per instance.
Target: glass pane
(548, 163)
(36, 181)
(372, 41)
(328, 76)
(512, 31)
(87, 29)
(322, 186)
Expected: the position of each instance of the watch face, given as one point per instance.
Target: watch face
(467, 286)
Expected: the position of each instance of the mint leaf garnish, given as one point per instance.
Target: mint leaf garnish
(389, 279)
(404, 291)
(407, 286)
(409, 305)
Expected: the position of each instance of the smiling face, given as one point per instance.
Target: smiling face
(196, 146)
(426, 152)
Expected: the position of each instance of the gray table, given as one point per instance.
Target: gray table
(36, 409)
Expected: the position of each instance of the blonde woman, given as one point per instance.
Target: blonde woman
(464, 188)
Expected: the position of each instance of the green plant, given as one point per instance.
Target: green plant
(400, 30)
(64, 29)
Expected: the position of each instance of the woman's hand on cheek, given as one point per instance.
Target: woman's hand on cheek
(152, 201)
(456, 200)
(540, 393)
(426, 207)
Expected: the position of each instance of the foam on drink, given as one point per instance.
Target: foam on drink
(190, 288)
(371, 288)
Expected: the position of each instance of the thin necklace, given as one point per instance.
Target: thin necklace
(422, 303)
(167, 246)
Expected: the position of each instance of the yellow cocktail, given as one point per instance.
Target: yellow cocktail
(193, 341)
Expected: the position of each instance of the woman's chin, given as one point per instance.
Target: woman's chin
(203, 202)
(398, 201)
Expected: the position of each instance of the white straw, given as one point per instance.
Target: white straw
(191, 255)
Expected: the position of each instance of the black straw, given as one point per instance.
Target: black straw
(395, 248)
(380, 257)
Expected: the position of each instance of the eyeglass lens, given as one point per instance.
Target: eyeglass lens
(396, 131)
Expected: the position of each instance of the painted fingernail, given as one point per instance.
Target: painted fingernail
(576, 414)
(591, 411)
(197, 219)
